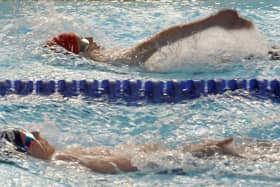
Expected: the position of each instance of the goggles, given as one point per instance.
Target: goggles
(29, 139)
(84, 45)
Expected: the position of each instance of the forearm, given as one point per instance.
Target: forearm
(100, 164)
(201, 150)
(211, 147)
(109, 164)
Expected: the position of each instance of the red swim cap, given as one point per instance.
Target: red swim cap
(67, 40)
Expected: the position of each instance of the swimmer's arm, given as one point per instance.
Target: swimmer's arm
(224, 146)
(100, 164)
(227, 19)
(107, 164)
(205, 145)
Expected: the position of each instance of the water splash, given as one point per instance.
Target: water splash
(210, 50)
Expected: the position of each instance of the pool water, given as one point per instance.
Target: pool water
(25, 27)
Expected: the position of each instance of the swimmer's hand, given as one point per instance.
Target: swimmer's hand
(230, 19)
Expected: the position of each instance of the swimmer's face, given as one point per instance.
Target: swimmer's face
(39, 147)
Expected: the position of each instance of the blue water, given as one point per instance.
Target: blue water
(25, 27)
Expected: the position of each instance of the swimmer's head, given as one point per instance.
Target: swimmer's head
(73, 42)
(30, 142)
(36, 145)
(68, 40)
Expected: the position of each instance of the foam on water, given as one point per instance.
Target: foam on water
(209, 50)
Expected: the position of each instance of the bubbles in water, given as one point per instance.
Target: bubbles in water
(210, 50)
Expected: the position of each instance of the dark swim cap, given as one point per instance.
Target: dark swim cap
(67, 40)
(12, 135)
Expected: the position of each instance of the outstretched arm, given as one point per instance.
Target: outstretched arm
(108, 164)
(227, 19)
(101, 164)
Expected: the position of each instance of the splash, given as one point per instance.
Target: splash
(210, 50)
(169, 162)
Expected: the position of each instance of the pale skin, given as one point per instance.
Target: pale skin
(109, 160)
(138, 54)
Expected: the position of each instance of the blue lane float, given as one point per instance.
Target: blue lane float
(134, 90)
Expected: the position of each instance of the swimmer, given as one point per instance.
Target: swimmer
(85, 46)
(114, 160)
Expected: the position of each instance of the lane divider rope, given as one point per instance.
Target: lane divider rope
(159, 91)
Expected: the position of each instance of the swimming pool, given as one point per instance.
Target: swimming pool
(26, 27)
